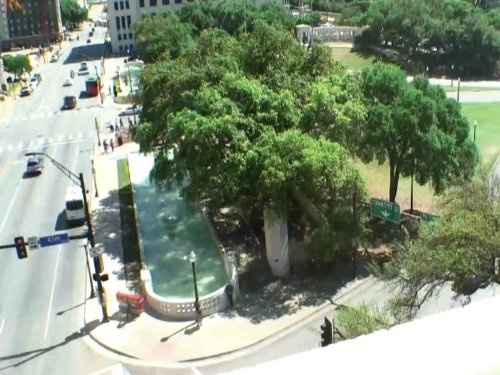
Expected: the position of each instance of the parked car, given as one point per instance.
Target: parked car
(33, 82)
(54, 58)
(34, 166)
(89, 41)
(69, 102)
(68, 82)
(130, 111)
(38, 76)
(26, 90)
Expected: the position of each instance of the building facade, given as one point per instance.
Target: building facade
(123, 13)
(29, 23)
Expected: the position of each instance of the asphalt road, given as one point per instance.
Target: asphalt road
(42, 297)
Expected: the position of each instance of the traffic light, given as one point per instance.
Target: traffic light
(22, 252)
(326, 333)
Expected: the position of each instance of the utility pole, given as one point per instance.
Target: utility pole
(97, 263)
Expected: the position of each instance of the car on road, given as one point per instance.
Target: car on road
(72, 37)
(34, 82)
(38, 76)
(130, 111)
(34, 166)
(68, 82)
(26, 91)
(69, 102)
(89, 41)
(54, 58)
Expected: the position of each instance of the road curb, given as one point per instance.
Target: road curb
(237, 352)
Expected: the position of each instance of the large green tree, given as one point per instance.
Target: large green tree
(72, 12)
(458, 249)
(161, 33)
(416, 128)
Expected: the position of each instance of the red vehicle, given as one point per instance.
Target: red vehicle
(92, 86)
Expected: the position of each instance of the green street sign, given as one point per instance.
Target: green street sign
(385, 210)
(427, 217)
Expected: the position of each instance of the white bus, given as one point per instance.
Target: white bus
(75, 210)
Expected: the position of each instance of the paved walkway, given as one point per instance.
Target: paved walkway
(151, 340)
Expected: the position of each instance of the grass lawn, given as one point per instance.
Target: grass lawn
(487, 139)
(487, 130)
(352, 60)
(130, 238)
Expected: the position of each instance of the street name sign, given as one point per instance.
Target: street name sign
(33, 242)
(385, 210)
(55, 239)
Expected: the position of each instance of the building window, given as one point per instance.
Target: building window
(165, 2)
(120, 48)
(141, 3)
(131, 36)
(121, 5)
(153, 3)
(127, 4)
(116, 5)
(129, 21)
(178, 1)
(117, 23)
(124, 25)
(119, 36)
(124, 36)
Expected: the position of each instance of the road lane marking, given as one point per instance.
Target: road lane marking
(1, 326)
(52, 293)
(10, 207)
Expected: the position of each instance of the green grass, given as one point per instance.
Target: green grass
(130, 238)
(377, 180)
(352, 60)
(487, 140)
(487, 129)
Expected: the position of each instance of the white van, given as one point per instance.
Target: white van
(75, 210)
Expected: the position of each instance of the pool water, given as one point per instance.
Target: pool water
(171, 227)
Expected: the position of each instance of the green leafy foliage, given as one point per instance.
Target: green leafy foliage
(361, 320)
(459, 249)
(17, 64)
(72, 12)
(416, 128)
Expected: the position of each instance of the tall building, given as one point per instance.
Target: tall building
(123, 13)
(29, 23)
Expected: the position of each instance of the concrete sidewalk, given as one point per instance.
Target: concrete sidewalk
(148, 340)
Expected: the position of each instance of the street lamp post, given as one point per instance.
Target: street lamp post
(458, 90)
(192, 259)
(98, 77)
(131, 91)
(452, 72)
(78, 179)
(97, 131)
(475, 126)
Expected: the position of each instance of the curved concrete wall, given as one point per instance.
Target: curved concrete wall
(183, 308)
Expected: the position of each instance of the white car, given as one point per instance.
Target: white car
(33, 82)
(68, 82)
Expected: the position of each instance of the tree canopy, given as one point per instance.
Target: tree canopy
(416, 128)
(72, 12)
(459, 248)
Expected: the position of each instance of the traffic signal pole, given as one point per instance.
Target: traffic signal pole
(97, 265)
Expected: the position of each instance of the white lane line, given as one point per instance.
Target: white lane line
(10, 207)
(1, 326)
(53, 292)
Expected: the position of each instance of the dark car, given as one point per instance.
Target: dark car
(69, 102)
(26, 90)
(34, 166)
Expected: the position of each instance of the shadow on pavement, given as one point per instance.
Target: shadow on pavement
(85, 53)
(32, 354)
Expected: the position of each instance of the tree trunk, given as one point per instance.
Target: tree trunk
(394, 180)
(276, 233)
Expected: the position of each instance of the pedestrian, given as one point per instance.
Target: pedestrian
(121, 123)
(116, 128)
(115, 92)
(112, 145)
(105, 145)
(109, 88)
(229, 293)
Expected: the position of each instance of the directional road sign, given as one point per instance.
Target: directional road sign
(385, 210)
(55, 239)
